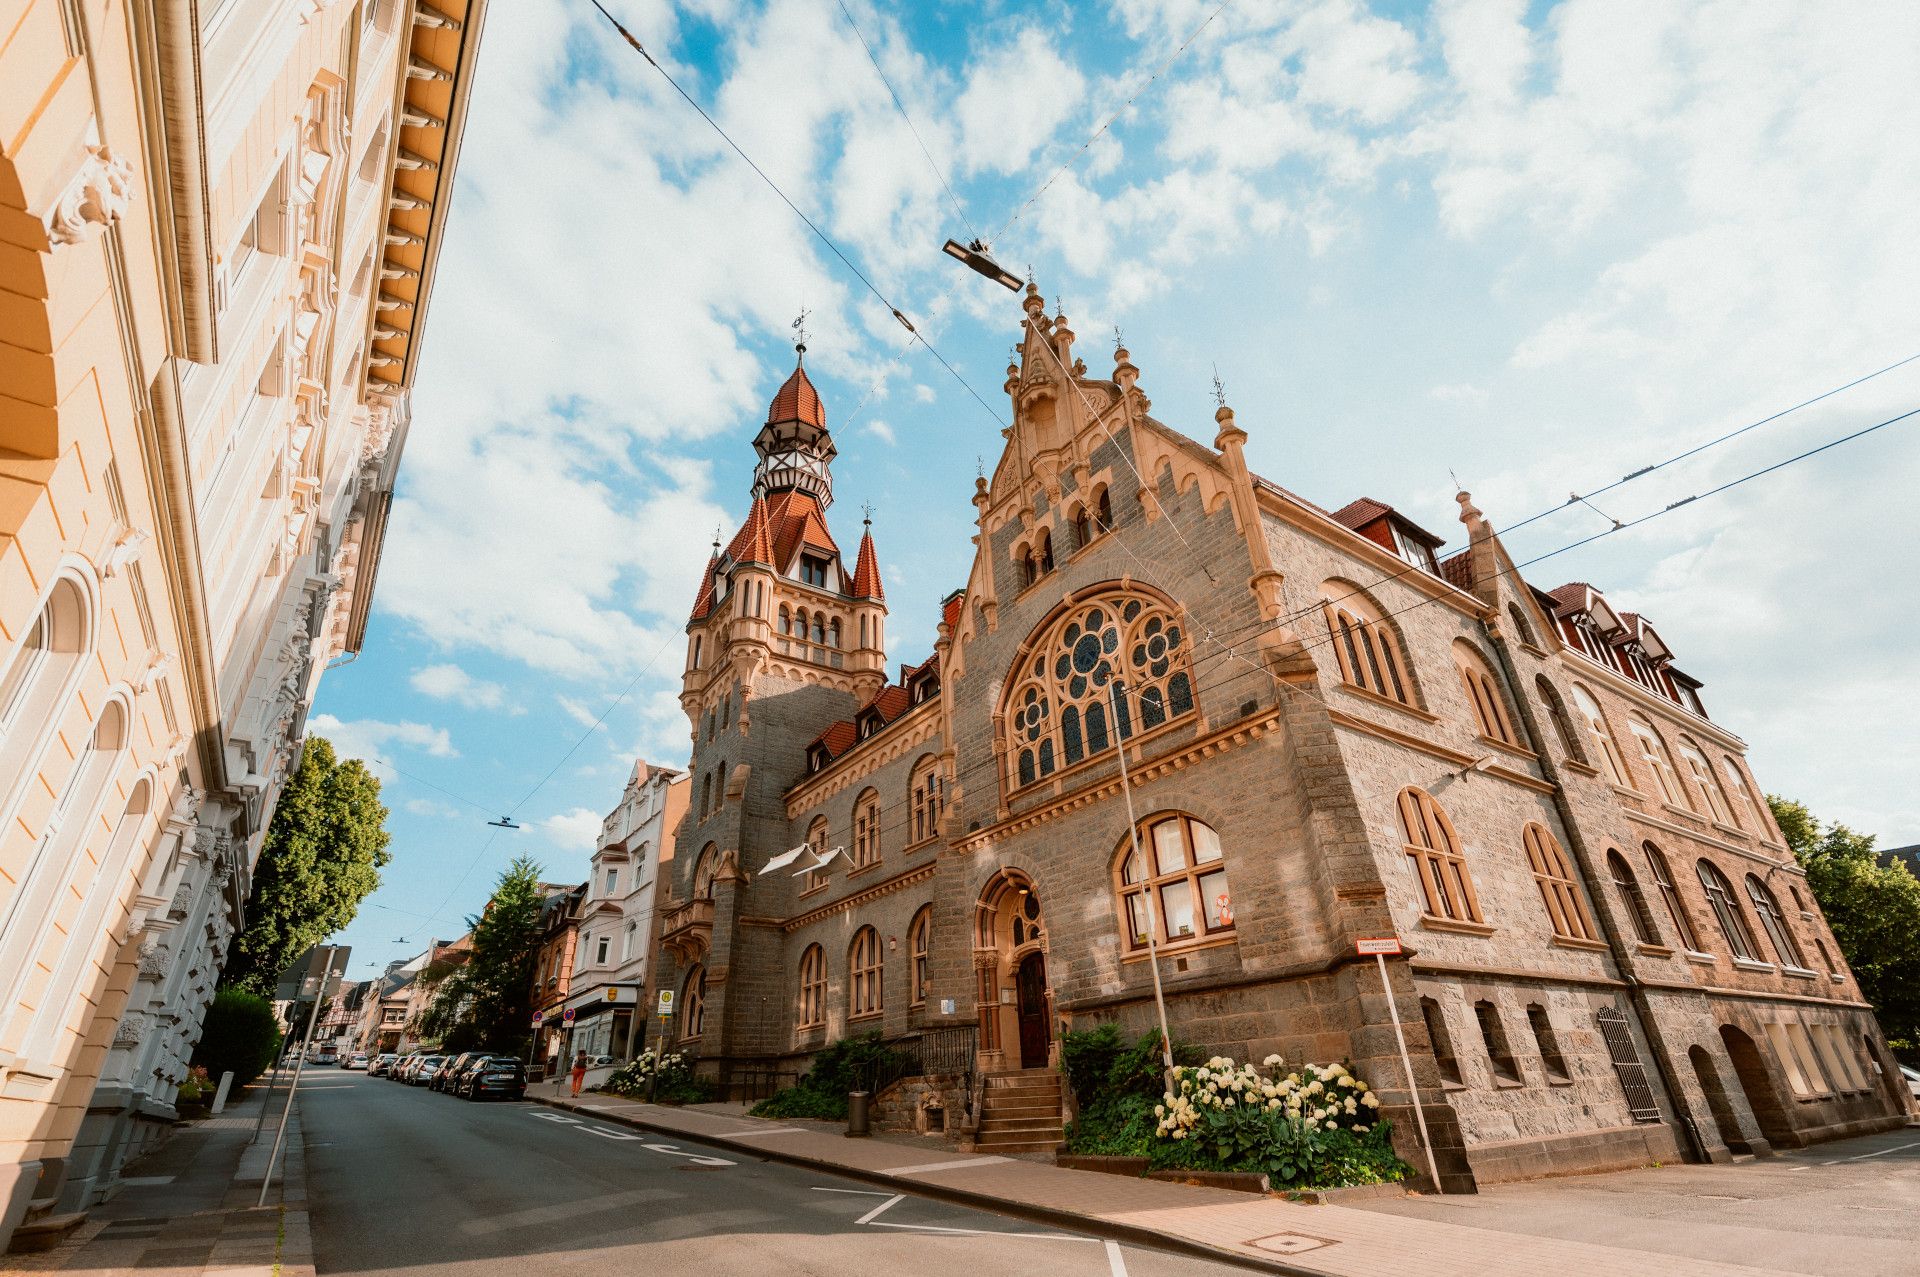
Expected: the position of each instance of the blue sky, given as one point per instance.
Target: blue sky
(1534, 246)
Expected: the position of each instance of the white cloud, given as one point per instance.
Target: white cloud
(448, 682)
(1459, 392)
(578, 711)
(575, 830)
(1017, 97)
(370, 738)
(881, 431)
(430, 808)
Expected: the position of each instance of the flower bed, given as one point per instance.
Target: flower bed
(1313, 1127)
(667, 1079)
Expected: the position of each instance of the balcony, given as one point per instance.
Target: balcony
(687, 930)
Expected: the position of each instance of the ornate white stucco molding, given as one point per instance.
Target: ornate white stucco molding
(97, 196)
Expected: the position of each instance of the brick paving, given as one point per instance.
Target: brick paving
(1310, 1239)
(194, 1216)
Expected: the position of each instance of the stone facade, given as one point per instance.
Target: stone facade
(218, 230)
(1330, 734)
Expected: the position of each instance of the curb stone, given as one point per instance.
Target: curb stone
(1050, 1216)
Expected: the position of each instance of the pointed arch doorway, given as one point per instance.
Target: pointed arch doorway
(1010, 966)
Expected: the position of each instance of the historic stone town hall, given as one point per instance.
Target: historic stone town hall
(1331, 734)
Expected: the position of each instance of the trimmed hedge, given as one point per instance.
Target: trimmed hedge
(240, 1035)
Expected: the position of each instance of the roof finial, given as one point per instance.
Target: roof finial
(800, 334)
(866, 512)
(716, 540)
(1219, 388)
(1119, 342)
(979, 467)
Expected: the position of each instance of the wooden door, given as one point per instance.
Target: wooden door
(1030, 986)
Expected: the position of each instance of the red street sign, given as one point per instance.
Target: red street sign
(537, 1017)
(1388, 945)
(566, 1016)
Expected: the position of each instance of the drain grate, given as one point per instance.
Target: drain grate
(1290, 1243)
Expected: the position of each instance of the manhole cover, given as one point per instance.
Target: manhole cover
(1289, 1243)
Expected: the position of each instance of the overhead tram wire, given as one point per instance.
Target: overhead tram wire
(911, 127)
(813, 226)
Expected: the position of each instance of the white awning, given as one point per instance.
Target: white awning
(826, 858)
(786, 858)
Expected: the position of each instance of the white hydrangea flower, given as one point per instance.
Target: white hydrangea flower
(1370, 1100)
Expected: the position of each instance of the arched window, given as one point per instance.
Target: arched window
(926, 799)
(817, 839)
(1178, 880)
(1558, 890)
(866, 963)
(693, 1003)
(1670, 896)
(1363, 644)
(833, 632)
(1521, 630)
(696, 651)
(1483, 693)
(37, 680)
(813, 988)
(1046, 552)
(800, 624)
(1726, 910)
(1059, 707)
(1082, 527)
(704, 870)
(1705, 781)
(1103, 510)
(866, 829)
(1446, 888)
(1767, 909)
(1653, 752)
(1611, 763)
(1441, 1040)
(1632, 897)
(820, 628)
(626, 941)
(1557, 713)
(1029, 569)
(1742, 790)
(919, 943)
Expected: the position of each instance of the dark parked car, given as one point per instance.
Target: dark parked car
(451, 1070)
(500, 1077)
(455, 1085)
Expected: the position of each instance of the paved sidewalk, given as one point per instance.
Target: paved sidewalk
(188, 1208)
(1270, 1232)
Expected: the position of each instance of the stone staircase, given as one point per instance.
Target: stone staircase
(1020, 1113)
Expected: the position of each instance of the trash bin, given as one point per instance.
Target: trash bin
(857, 1112)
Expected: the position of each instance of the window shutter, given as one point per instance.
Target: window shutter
(1626, 1063)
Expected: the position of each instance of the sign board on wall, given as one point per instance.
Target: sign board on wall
(666, 1002)
(1387, 945)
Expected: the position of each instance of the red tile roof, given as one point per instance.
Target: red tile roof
(866, 576)
(1572, 594)
(795, 519)
(752, 544)
(950, 608)
(797, 400)
(1358, 514)
(1458, 570)
(837, 739)
(703, 603)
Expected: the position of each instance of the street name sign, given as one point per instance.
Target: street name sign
(1368, 948)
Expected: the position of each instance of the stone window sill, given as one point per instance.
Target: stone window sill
(1689, 813)
(1368, 694)
(1654, 950)
(1704, 959)
(866, 1016)
(867, 868)
(1559, 1079)
(1836, 977)
(1448, 1084)
(813, 891)
(1181, 947)
(1749, 964)
(1432, 923)
(1508, 747)
(930, 840)
(1575, 942)
(1800, 973)
(1623, 791)
(1579, 768)
(1532, 650)
(1732, 831)
(1508, 1083)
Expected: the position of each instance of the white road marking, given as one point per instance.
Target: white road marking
(608, 1133)
(1116, 1262)
(873, 1214)
(855, 1192)
(1864, 1156)
(986, 1232)
(987, 1160)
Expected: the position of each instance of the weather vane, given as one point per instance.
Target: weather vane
(1219, 388)
(800, 333)
(1119, 342)
(979, 467)
(866, 511)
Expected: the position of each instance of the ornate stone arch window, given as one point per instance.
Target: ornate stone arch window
(1364, 644)
(1446, 888)
(1102, 509)
(1059, 709)
(866, 829)
(1705, 781)
(919, 945)
(1726, 910)
(1628, 885)
(1653, 752)
(816, 839)
(1767, 908)
(926, 800)
(1044, 553)
(704, 870)
(1557, 712)
(1484, 694)
(1601, 735)
(1522, 631)
(693, 1003)
(36, 682)
(1743, 792)
(1082, 527)
(812, 1010)
(1670, 896)
(1559, 891)
(866, 964)
(1176, 885)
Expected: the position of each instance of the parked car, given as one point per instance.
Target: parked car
(472, 1061)
(382, 1064)
(499, 1076)
(443, 1081)
(358, 1060)
(404, 1073)
(425, 1071)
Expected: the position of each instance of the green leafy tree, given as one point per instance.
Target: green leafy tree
(323, 855)
(489, 1001)
(1873, 908)
(239, 1036)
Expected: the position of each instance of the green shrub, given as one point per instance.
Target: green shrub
(1099, 1063)
(240, 1036)
(847, 1065)
(676, 1082)
(1114, 1126)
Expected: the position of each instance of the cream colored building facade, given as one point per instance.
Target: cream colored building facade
(218, 226)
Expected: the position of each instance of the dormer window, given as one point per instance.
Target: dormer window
(869, 725)
(813, 571)
(923, 690)
(1413, 550)
(816, 759)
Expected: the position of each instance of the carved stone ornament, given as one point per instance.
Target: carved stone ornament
(97, 196)
(156, 959)
(132, 1027)
(186, 805)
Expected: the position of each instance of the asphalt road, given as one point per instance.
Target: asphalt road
(403, 1180)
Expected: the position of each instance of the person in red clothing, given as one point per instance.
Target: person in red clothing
(579, 1071)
